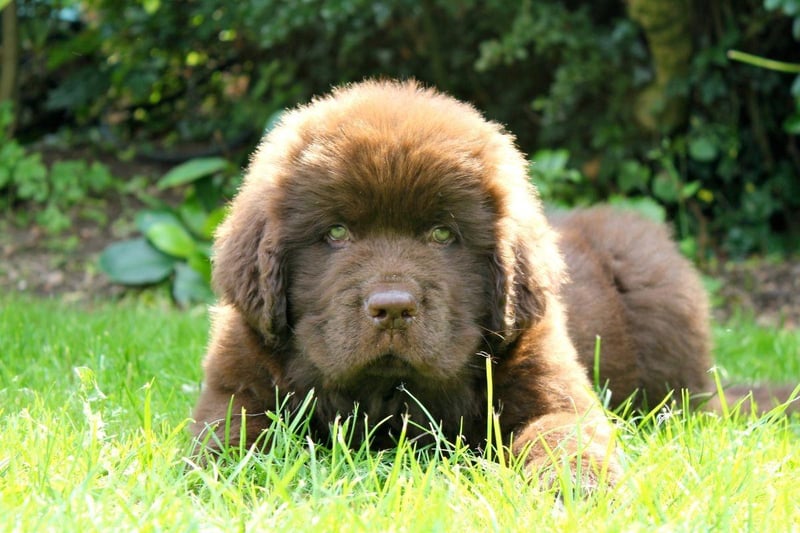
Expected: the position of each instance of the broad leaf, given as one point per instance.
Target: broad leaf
(665, 189)
(190, 286)
(172, 239)
(191, 171)
(201, 264)
(645, 206)
(690, 189)
(214, 219)
(792, 124)
(135, 262)
(194, 216)
(149, 217)
(550, 161)
(633, 176)
(703, 149)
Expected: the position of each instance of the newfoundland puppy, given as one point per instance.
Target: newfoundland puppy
(386, 242)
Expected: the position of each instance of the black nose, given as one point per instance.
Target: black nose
(391, 309)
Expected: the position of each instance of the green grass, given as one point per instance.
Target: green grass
(94, 402)
(746, 352)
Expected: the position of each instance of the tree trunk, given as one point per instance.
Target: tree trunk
(10, 55)
(666, 27)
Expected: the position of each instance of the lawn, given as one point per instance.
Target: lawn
(95, 399)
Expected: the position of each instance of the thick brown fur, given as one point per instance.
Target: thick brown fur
(388, 196)
(632, 289)
(638, 303)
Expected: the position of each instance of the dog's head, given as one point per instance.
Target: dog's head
(387, 232)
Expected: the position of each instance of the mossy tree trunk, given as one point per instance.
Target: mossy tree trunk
(10, 54)
(666, 24)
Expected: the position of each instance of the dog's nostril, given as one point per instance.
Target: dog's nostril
(391, 309)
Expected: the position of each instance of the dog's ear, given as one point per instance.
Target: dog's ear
(527, 266)
(249, 266)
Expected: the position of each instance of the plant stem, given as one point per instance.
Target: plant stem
(771, 64)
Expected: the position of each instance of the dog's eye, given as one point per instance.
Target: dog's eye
(442, 235)
(338, 234)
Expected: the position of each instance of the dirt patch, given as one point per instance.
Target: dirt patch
(767, 289)
(64, 265)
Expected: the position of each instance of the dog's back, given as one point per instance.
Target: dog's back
(630, 286)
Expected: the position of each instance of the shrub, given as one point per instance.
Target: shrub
(157, 77)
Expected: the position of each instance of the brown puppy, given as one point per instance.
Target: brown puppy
(387, 235)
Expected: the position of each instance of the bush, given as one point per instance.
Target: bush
(176, 241)
(158, 77)
(52, 192)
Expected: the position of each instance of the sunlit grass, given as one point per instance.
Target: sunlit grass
(94, 402)
(747, 352)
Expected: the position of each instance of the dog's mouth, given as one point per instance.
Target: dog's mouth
(389, 366)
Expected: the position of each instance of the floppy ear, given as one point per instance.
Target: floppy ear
(519, 300)
(249, 267)
(527, 267)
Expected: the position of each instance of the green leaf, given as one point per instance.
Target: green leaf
(791, 8)
(98, 178)
(664, 188)
(207, 192)
(702, 149)
(633, 176)
(65, 179)
(191, 171)
(643, 205)
(149, 217)
(5, 177)
(204, 249)
(214, 219)
(550, 161)
(690, 189)
(151, 6)
(172, 239)
(30, 176)
(135, 262)
(792, 124)
(52, 218)
(190, 286)
(688, 246)
(193, 215)
(201, 264)
(11, 153)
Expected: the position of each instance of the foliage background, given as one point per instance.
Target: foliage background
(172, 81)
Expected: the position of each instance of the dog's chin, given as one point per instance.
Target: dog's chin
(386, 372)
(390, 371)
(389, 365)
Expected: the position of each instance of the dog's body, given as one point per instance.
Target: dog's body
(631, 288)
(386, 241)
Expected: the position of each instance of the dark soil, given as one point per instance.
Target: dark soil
(31, 261)
(767, 289)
